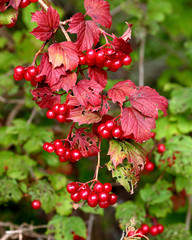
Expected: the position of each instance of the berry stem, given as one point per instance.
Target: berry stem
(98, 162)
(69, 135)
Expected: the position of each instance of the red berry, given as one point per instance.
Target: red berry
(60, 151)
(105, 133)
(61, 118)
(100, 128)
(56, 108)
(126, 60)
(62, 159)
(45, 146)
(153, 134)
(19, 70)
(75, 197)
(27, 76)
(109, 52)
(104, 204)
(98, 187)
(112, 198)
(131, 233)
(161, 148)
(139, 233)
(117, 132)
(36, 204)
(39, 78)
(72, 187)
(17, 77)
(160, 228)
(103, 196)
(90, 54)
(32, 70)
(154, 230)
(75, 155)
(116, 64)
(84, 193)
(82, 60)
(58, 143)
(84, 186)
(147, 159)
(100, 57)
(67, 154)
(24, 3)
(50, 148)
(62, 109)
(110, 125)
(33, 83)
(90, 63)
(92, 200)
(145, 228)
(108, 63)
(50, 114)
(12, 24)
(149, 166)
(107, 187)
(33, 1)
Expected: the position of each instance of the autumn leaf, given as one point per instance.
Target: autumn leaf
(121, 90)
(120, 44)
(15, 4)
(66, 82)
(45, 98)
(83, 116)
(99, 11)
(65, 53)
(3, 7)
(105, 106)
(87, 31)
(133, 152)
(127, 34)
(8, 16)
(88, 92)
(85, 142)
(53, 75)
(47, 22)
(133, 122)
(98, 75)
(148, 101)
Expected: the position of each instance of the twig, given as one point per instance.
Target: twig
(13, 114)
(17, 101)
(188, 216)
(98, 162)
(43, 4)
(90, 226)
(33, 113)
(65, 32)
(141, 62)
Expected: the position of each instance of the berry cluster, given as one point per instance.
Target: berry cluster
(65, 153)
(29, 74)
(99, 194)
(149, 166)
(109, 129)
(60, 112)
(106, 57)
(145, 230)
(36, 204)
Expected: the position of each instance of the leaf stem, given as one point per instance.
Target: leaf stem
(69, 135)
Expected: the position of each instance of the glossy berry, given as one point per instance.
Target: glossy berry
(39, 78)
(27, 76)
(62, 159)
(161, 148)
(75, 197)
(45, 146)
(50, 148)
(67, 154)
(112, 198)
(75, 155)
(82, 60)
(84, 193)
(145, 228)
(19, 70)
(100, 57)
(104, 204)
(107, 187)
(110, 125)
(60, 151)
(126, 60)
(56, 108)
(24, 3)
(32, 71)
(92, 200)
(139, 233)
(90, 55)
(153, 134)
(50, 114)
(117, 132)
(36, 204)
(149, 166)
(61, 118)
(116, 64)
(84, 186)
(154, 230)
(58, 143)
(108, 63)
(103, 196)
(72, 187)
(12, 24)
(62, 109)
(105, 133)
(131, 233)
(160, 228)
(17, 77)
(98, 187)
(100, 128)
(110, 52)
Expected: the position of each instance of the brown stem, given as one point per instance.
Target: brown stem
(64, 32)
(33, 113)
(141, 62)
(188, 216)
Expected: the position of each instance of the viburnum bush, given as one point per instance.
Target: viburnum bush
(69, 80)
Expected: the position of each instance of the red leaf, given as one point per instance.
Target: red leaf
(15, 4)
(85, 142)
(121, 45)
(121, 90)
(3, 7)
(72, 101)
(52, 74)
(45, 98)
(47, 23)
(66, 82)
(98, 75)
(65, 53)
(87, 92)
(87, 31)
(99, 11)
(133, 122)
(83, 116)
(148, 101)
(105, 107)
(127, 34)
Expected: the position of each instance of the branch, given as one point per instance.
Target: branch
(90, 226)
(33, 113)
(141, 62)
(13, 114)
(188, 216)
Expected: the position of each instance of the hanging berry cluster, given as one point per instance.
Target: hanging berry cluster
(79, 71)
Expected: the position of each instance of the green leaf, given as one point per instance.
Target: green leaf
(63, 205)
(9, 191)
(7, 16)
(51, 159)
(62, 227)
(125, 175)
(97, 211)
(58, 181)
(176, 232)
(128, 210)
(161, 209)
(183, 182)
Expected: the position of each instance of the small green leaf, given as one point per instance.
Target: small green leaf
(58, 181)
(97, 211)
